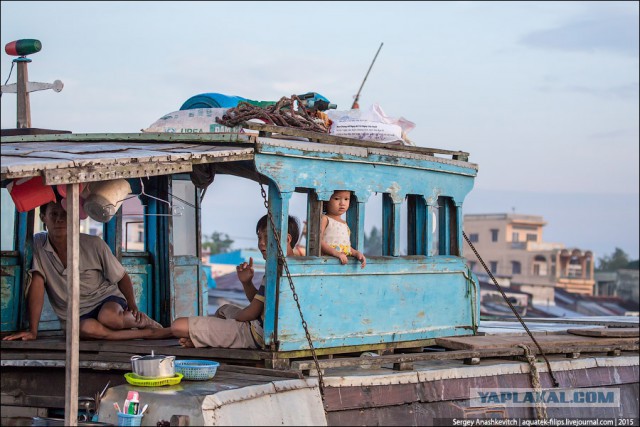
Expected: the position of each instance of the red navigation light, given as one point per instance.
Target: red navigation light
(23, 47)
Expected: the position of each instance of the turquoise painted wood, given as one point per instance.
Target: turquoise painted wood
(141, 274)
(10, 292)
(395, 298)
(391, 300)
(187, 286)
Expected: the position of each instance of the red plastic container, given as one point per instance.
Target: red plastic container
(29, 193)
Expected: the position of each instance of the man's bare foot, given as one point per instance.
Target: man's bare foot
(148, 323)
(186, 342)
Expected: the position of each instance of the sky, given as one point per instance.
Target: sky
(543, 95)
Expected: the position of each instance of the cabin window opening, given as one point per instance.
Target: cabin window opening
(447, 227)
(494, 234)
(8, 222)
(298, 207)
(133, 225)
(373, 226)
(230, 210)
(416, 225)
(354, 218)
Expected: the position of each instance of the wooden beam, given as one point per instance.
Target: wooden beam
(23, 103)
(73, 306)
(400, 359)
(340, 140)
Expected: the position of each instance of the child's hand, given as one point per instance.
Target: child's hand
(245, 271)
(360, 257)
(343, 258)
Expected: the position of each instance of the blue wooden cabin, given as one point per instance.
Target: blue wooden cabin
(399, 300)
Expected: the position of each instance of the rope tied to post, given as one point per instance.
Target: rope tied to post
(534, 375)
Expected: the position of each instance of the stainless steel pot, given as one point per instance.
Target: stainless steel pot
(154, 366)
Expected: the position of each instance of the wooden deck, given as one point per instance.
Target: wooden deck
(565, 340)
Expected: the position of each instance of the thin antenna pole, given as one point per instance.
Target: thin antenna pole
(355, 101)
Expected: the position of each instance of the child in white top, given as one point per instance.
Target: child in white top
(334, 231)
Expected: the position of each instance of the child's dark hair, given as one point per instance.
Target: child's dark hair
(324, 202)
(294, 228)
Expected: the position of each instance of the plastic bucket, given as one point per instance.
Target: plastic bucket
(105, 198)
(62, 190)
(129, 420)
(29, 193)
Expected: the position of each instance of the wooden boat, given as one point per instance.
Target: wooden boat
(394, 343)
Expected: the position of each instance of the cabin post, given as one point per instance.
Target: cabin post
(165, 187)
(314, 213)
(24, 246)
(279, 210)
(73, 306)
(458, 242)
(430, 224)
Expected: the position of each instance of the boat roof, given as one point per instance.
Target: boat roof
(70, 158)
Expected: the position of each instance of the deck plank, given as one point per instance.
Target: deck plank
(496, 342)
(606, 332)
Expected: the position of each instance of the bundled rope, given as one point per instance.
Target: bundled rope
(282, 113)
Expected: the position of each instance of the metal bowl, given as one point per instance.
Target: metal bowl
(154, 366)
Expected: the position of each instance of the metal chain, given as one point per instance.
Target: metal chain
(495, 282)
(283, 259)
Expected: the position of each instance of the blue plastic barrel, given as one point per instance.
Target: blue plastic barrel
(212, 100)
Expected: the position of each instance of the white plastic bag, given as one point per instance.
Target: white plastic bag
(197, 120)
(371, 124)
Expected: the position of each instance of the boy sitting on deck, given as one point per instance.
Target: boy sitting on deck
(232, 326)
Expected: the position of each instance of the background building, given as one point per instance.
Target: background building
(512, 247)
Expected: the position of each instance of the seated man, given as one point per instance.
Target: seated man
(108, 309)
(232, 326)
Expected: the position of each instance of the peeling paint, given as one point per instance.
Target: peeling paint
(394, 192)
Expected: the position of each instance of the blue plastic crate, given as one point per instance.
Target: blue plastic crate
(197, 370)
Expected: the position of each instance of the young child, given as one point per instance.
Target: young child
(232, 326)
(334, 231)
